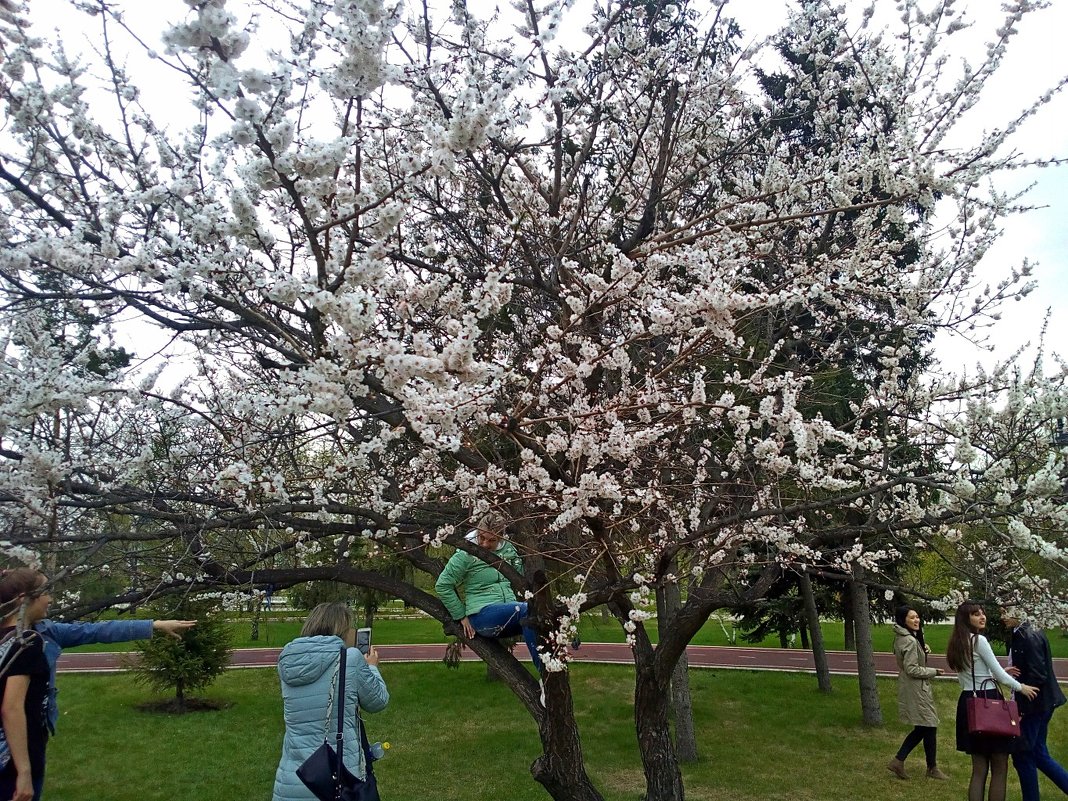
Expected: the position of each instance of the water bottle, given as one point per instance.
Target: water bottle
(378, 750)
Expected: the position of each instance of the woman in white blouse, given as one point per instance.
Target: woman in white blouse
(969, 654)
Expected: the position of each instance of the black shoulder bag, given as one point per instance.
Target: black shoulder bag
(324, 772)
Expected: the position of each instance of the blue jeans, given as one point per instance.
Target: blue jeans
(1034, 727)
(502, 620)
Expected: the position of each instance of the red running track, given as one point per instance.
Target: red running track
(700, 656)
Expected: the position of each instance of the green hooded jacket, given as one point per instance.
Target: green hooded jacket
(482, 584)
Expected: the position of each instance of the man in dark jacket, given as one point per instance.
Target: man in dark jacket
(1032, 663)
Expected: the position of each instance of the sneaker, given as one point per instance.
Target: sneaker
(897, 767)
(935, 773)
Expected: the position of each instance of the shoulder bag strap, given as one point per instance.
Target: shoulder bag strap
(975, 645)
(341, 708)
(340, 737)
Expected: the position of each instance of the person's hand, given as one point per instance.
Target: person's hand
(926, 648)
(1013, 671)
(469, 630)
(23, 787)
(1029, 691)
(372, 657)
(173, 628)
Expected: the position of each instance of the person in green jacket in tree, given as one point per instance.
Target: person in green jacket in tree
(489, 607)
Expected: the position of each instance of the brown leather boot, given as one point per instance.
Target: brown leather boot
(897, 767)
(935, 773)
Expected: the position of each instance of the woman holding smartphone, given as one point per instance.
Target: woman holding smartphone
(308, 668)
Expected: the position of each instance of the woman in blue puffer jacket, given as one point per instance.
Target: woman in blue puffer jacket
(306, 667)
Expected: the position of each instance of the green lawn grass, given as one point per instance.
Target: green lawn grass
(457, 737)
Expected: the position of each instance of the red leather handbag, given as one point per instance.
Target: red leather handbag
(992, 716)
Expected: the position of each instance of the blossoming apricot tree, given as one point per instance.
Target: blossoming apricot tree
(584, 264)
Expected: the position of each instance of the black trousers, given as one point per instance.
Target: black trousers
(928, 735)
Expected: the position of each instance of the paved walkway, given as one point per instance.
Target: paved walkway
(700, 656)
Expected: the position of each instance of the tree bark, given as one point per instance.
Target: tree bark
(682, 702)
(668, 603)
(819, 650)
(663, 779)
(869, 689)
(847, 620)
(560, 769)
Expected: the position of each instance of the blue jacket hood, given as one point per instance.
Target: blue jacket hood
(304, 660)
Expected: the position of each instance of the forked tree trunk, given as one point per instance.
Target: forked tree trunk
(819, 650)
(871, 709)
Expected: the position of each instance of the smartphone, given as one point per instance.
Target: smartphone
(363, 640)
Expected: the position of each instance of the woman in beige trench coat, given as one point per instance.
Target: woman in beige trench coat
(915, 701)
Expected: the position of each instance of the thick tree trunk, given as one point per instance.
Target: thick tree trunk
(682, 701)
(819, 650)
(668, 603)
(663, 779)
(847, 620)
(560, 769)
(869, 689)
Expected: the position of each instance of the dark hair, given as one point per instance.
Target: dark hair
(901, 613)
(16, 583)
(959, 650)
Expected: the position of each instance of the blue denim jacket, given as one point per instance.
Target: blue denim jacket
(58, 636)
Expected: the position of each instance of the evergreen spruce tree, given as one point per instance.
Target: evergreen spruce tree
(188, 664)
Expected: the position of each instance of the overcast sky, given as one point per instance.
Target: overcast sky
(1037, 60)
